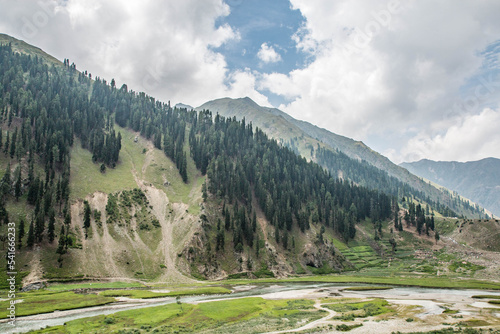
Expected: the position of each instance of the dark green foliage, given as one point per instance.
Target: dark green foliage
(5, 182)
(31, 236)
(62, 242)
(86, 214)
(18, 185)
(51, 227)
(239, 159)
(220, 241)
(112, 210)
(20, 232)
(365, 174)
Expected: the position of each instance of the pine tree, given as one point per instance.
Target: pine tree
(5, 183)
(7, 144)
(17, 189)
(86, 214)
(39, 226)
(31, 236)
(20, 232)
(62, 242)
(51, 227)
(12, 149)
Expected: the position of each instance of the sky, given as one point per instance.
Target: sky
(411, 79)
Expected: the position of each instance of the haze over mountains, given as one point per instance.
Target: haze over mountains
(477, 180)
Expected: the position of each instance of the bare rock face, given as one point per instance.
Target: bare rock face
(33, 286)
(312, 256)
(318, 255)
(212, 271)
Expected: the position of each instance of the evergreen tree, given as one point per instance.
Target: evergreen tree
(5, 182)
(51, 227)
(17, 189)
(20, 232)
(12, 149)
(62, 242)
(7, 144)
(31, 235)
(86, 214)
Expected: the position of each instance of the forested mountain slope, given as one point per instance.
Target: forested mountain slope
(53, 116)
(342, 156)
(102, 181)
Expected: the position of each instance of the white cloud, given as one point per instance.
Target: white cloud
(242, 84)
(164, 48)
(388, 73)
(267, 54)
(476, 137)
(385, 69)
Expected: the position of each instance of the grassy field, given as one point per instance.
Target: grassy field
(86, 177)
(245, 315)
(362, 309)
(45, 301)
(96, 285)
(175, 293)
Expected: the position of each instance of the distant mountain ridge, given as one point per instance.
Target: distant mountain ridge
(477, 180)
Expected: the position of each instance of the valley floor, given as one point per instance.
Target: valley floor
(278, 307)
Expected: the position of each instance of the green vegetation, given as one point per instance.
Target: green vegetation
(464, 266)
(486, 296)
(151, 294)
(44, 301)
(189, 318)
(451, 330)
(346, 328)
(86, 178)
(351, 311)
(473, 323)
(94, 285)
(450, 311)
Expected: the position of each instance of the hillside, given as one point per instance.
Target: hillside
(103, 182)
(25, 48)
(476, 180)
(365, 166)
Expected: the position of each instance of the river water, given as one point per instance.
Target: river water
(429, 299)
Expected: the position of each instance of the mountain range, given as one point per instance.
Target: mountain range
(477, 180)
